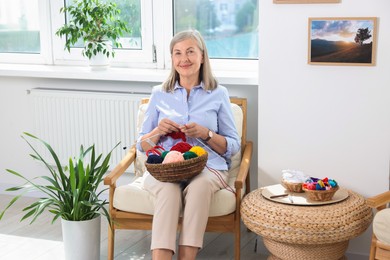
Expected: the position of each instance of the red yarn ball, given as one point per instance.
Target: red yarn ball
(181, 147)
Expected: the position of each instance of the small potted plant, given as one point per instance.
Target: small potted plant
(97, 24)
(70, 193)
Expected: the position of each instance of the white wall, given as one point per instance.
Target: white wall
(325, 120)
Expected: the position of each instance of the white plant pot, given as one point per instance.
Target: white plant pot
(81, 239)
(100, 61)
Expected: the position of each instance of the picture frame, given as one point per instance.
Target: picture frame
(342, 41)
(305, 1)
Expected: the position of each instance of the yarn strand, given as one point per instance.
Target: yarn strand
(148, 140)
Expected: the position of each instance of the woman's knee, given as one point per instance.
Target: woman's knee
(200, 186)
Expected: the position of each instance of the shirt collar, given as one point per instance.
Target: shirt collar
(177, 85)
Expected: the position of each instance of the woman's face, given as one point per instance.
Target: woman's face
(187, 58)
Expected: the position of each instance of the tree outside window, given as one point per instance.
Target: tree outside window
(229, 27)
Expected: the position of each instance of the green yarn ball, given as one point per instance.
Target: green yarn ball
(189, 155)
(163, 154)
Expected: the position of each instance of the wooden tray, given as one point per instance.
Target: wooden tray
(299, 198)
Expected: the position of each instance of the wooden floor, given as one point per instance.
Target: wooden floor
(43, 240)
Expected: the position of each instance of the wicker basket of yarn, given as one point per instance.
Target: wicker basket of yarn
(320, 190)
(173, 170)
(320, 195)
(177, 171)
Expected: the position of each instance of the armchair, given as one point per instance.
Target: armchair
(131, 207)
(380, 243)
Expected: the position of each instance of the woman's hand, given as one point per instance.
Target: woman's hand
(218, 143)
(167, 126)
(194, 130)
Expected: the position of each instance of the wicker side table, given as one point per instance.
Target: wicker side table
(320, 232)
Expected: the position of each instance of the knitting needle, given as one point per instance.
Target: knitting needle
(278, 196)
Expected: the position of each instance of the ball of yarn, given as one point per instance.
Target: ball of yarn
(319, 187)
(189, 155)
(321, 183)
(173, 156)
(163, 154)
(154, 159)
(198, 150)
(333, 183)
(311, 186)
(181, 147)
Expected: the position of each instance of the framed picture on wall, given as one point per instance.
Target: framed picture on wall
(305, 1)
(342, 41)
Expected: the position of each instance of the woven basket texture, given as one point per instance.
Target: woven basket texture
(294, 187)
(178, 171)
(320, 195)
(272, 257)
(306, 225)
(285, 251)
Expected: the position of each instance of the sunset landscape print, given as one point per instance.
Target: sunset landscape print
(342, 41)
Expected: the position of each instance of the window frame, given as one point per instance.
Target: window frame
(44, 57)
(157, 31)
(226, 64)
(123, 58)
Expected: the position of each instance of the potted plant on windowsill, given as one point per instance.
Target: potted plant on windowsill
(70, 193)
(97, 24)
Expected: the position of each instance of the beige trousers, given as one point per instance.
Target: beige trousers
(192, 202)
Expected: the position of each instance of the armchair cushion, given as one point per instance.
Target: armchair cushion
(381, 225)
(133, 198)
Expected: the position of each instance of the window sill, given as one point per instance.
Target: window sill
(116, 74)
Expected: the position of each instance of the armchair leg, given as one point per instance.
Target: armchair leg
(237, 242)
(111, 239)
(373, 247)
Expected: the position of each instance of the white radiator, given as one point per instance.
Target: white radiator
(67, 119)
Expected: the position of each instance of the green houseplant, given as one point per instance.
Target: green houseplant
(96, 23)
(71, 192)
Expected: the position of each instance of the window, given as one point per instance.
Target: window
(137, 46)
(130, 12)
(21, 36)
(27, 32)
(229, 27)
(19, 27)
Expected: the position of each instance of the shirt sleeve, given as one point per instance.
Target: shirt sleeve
(150, 118)
(227, 127)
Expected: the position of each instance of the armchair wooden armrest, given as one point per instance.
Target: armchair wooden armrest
(111, 178)
(244, 167)
(379, 250)
(379, 201)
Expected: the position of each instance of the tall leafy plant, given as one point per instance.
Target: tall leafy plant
(94, 22)
(71, 191)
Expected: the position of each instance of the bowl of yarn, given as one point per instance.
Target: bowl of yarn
(320, 189)
(182, 162)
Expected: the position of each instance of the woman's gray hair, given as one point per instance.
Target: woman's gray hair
(205, 74)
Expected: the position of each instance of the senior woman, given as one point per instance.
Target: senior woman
(189, 101)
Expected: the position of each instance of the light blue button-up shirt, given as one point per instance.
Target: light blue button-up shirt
(210, 109)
